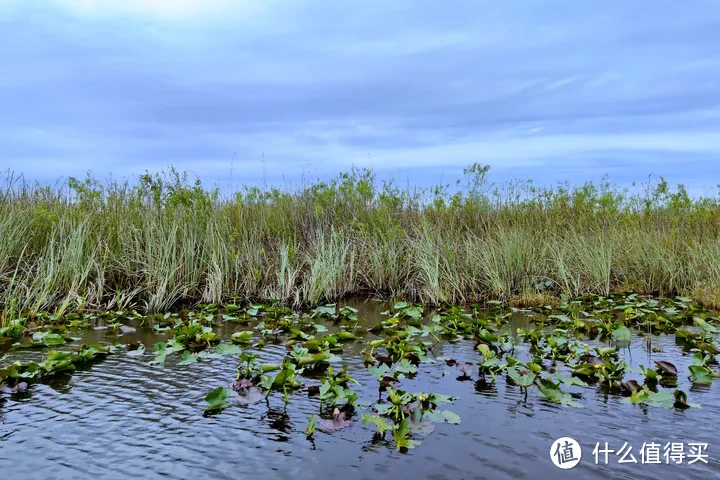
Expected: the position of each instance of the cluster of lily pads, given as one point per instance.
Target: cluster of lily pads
(15, 377)
(570, 346)
(311, 351)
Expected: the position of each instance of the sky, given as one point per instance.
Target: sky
(277, 91)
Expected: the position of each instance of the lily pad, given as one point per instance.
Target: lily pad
(552, 392)
(217, 399)
(243, 337)
(666, 368)
(228, 349)
(188, 358)
(138, 352)
(442, 416)
(701, 375)
(622, 334)
(381, 424)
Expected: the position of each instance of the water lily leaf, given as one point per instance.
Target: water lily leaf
(379, 422)
(686, 335)
(228, 349)
(405, 366)
(413, 312)
(681, 401)
(160, 354)
(622, 334)
(400, 305)
(401, 434)
(570, 381)
(708, 347)
(661, 398)
(552, 392)
(174, 345)
(521, 380)
(706, 327)
(666, 368)
(188, 358)
(344, 336)
(383, 408)
(700, 375)
(631, 386)
(484, 350)
(39, 336)
(217, 399)
(138, 352)
(319, 328)
(442, 416)
(561, 318)
(242, 337)
(435, 399)
(380, 371)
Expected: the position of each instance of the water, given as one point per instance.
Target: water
(123, 418)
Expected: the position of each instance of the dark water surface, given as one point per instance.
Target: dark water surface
(123, 418)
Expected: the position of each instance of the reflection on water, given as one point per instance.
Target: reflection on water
(123, 418)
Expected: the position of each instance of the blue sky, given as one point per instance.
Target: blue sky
(241, 91)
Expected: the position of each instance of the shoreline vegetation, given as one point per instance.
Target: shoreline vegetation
(166, 242)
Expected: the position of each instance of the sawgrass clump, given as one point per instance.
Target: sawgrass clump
(165, 240)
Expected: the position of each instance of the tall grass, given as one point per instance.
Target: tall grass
(165, 241)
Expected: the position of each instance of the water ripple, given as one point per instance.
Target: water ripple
(125, 419)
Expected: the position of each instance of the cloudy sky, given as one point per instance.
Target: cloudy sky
(245, 90)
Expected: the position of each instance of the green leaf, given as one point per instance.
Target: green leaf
(441, 416)
(138, 352)
(312, 424)
(405, 366)
(344, 336)
(380, 371)
(701, 375)
(228, 349)
(188, 358)
(649, 373)
(217, 399)
(706, 327)
(401, 434)
(383, 408)
(661, 398)
(522, 380)
(242, 337)
(379, 422)
(553, 393)
(622, 334)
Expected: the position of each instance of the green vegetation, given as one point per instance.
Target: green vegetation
(564, 353)
(166, 242)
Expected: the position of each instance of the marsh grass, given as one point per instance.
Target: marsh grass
(165, 241)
